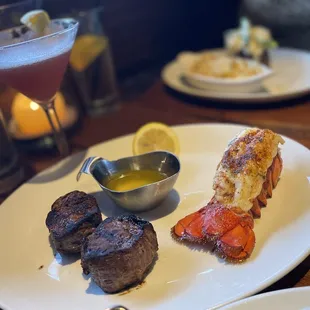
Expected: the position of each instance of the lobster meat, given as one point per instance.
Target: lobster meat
(227, 220)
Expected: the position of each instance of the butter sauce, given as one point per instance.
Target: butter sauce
(129, 180)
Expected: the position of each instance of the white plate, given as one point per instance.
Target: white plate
(289, 299)
(181, 278)
(291, 78)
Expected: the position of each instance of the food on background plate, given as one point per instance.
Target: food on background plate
(120, 252)
(217, 71)
(155, 136)
(224, 66)
(245, 177)
(72, 217)
(250, 41)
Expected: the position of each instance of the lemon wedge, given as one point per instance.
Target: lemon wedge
(36, 20)
(155, 137)
(85, 50)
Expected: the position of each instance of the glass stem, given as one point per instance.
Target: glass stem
(60, 137)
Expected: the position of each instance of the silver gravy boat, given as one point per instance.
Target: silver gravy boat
(142, 198)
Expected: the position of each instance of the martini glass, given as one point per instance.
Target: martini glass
(35, 65)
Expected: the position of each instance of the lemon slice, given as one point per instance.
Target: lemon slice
(85, 50)
(36, 20)
(155, 137)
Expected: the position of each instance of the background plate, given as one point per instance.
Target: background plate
(291, 79)
(290, 299)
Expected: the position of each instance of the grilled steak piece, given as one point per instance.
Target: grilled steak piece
(119, 253)
(72, 218)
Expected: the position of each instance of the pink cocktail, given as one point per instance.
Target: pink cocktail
(47, 75)
(34, 65)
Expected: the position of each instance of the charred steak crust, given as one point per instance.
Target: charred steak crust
(72, 217)
(119, 252)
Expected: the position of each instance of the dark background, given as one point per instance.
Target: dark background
(148, 33)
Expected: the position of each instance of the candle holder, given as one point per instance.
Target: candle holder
(29, 127)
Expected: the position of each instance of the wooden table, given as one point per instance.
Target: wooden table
(160, 104)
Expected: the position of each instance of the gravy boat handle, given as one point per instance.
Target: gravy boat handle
(86, 167)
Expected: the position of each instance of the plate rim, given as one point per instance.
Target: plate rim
(266, 99)
(249, 294)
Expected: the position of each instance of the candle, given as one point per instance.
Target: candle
(31, 119)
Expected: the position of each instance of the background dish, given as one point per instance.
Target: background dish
(242, 84)
(32, 278)
(291, 79)
(290, 299)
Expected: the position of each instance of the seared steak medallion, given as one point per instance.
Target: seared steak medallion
(72, 218)
(119, 252)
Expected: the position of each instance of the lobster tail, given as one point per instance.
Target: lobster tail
(224, 221)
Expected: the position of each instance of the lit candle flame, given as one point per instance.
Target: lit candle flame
(34, 106)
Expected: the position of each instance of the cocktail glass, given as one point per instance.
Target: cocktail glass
(35, 65)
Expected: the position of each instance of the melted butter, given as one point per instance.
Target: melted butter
(130, 180)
